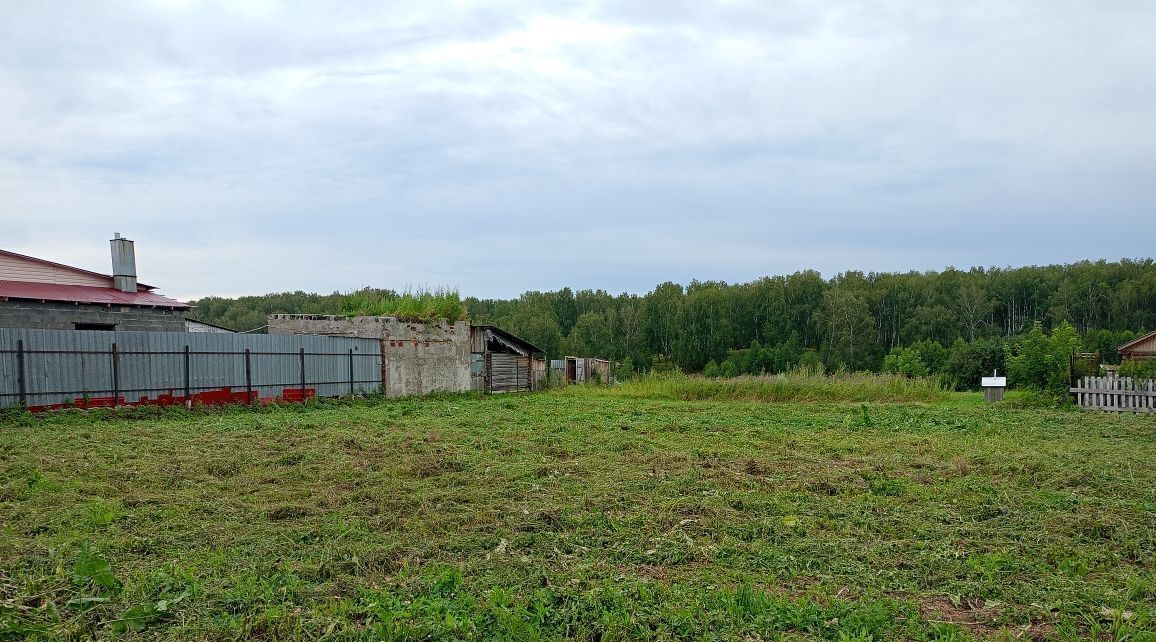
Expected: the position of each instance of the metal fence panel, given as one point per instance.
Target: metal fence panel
(61, 366)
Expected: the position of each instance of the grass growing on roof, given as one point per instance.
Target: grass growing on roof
(422, 304)
(579, 514)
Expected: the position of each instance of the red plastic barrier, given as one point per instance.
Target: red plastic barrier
(219, 397)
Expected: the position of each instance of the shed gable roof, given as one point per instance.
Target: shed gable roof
(511, 341)
(1138, 342)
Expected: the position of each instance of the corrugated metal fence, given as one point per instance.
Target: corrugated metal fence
(49, 367)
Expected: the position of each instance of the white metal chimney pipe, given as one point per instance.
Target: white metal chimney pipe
(123, 264)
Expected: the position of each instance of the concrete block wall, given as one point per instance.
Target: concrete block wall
(52, 315)
(417, 358)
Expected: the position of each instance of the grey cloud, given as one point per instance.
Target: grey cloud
(395, 143)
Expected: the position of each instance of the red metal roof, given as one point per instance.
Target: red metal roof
(84, 294)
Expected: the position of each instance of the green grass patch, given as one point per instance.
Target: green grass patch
(797, 385)
(584, 513)
(424, 305)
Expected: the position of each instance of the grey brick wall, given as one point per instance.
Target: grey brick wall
(417, 358)
(64, 316)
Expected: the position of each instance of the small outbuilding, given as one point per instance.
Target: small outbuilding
(41, 294)
(419, 358)
(1141, 348)
(582, 369)
(501, 362)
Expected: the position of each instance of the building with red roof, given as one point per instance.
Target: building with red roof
(37, 293)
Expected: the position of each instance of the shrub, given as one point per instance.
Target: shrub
(711, 369)
(968, 362)
(932, 354)
(624, 370)
(1138, 368)
(906, 362)
(1040, 361)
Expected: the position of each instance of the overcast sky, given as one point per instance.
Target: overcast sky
(257, 147)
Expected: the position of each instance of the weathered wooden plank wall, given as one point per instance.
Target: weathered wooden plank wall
(1116, 394)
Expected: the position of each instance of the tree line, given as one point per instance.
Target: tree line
(853, 321)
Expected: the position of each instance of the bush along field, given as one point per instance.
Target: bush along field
(643, 512)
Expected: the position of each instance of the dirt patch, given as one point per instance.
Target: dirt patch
(969, 613)
(752, 467)
(434, 465)
(977, 618)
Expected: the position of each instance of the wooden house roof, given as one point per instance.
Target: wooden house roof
(1142, 346)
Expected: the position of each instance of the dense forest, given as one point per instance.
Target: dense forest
(853, 321)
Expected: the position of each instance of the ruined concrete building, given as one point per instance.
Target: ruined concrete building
(420, 358)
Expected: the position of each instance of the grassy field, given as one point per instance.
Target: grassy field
(644, 512)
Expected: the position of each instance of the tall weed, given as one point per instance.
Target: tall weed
(803, 384)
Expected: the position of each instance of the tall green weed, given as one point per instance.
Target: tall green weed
(800, 384)
(421, 304)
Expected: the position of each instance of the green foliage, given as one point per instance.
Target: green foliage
(424, 305)
(969, 361)
(1105, 343)
(851, 320)
(1040, 360)
(849, 325)
(711, 370)
(907, 362)
(140, 616)
(624, 370)
(796, 385)
(251, 312)
(1138, 368)
(704, 326)
(91, 567)
(932, 354)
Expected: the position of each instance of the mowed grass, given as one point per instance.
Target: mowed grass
(579, 514)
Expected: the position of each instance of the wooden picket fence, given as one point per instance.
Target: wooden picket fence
(1116, 394)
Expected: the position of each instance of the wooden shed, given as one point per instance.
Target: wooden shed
(1142, 348)
(500, 361)
(582, 369)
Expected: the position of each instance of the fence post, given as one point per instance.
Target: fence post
(20, 374)
(302, 353)
(351, 372)
(188, 382)
(248, 377)
(115, 375)
(489, 361)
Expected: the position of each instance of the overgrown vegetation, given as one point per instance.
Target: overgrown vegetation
(1139, 368)
(425, 305)
(251, 312)
(852, 321)
(802, 384)
(639, 512)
